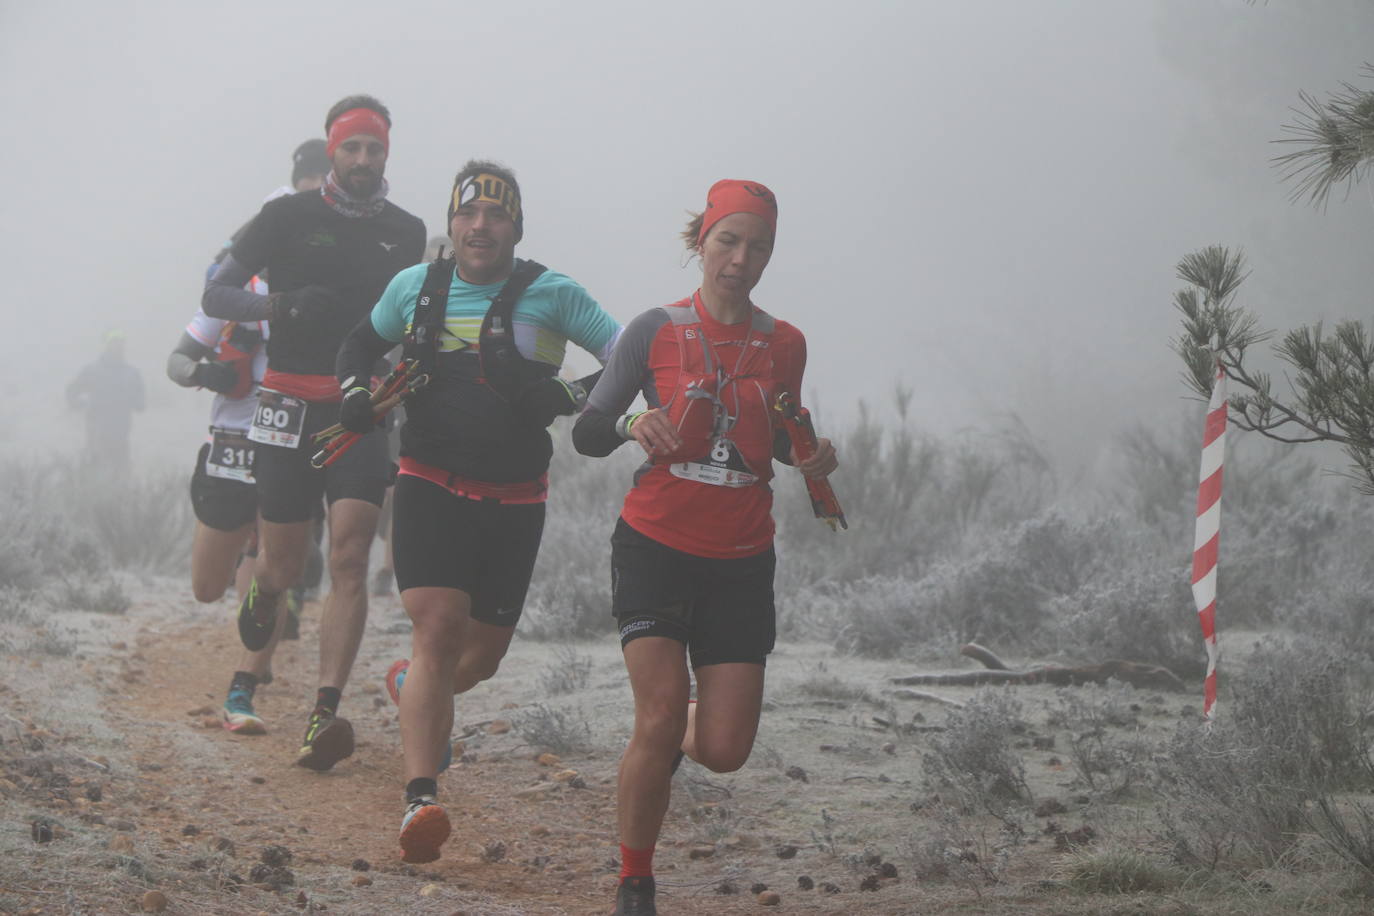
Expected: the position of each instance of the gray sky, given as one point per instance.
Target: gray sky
(984, 201)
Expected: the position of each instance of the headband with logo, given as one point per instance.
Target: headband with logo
(357, 121)
(732, 196)
(485, 186)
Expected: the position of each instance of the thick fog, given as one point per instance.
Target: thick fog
(982, 201)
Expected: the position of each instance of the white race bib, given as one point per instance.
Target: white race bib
(230, 456)
(278, 419)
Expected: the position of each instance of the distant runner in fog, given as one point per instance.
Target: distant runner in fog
(490, 332)
(692, 554)
(108, 391)
(329, 255)
(229, 358)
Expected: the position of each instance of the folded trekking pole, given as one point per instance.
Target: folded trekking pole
(400, 383)
(797, 421)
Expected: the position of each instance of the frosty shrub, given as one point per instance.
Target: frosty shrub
(144, 523)
(1003, 592)
(1143, 614)
(877, 617)
(1105, 746)
(1292, 734)
(560, 731)
(52, 557)
(973, 764)
(1308, 700)
(567, 671)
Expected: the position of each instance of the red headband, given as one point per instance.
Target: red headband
(731, 196)
(357, 121)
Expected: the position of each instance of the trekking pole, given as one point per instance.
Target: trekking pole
(796, 420)
(395, 388)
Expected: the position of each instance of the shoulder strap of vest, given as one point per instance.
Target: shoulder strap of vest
(498, 319)
(502, 362)
(422, 343)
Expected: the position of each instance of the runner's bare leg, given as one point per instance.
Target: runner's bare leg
(352, 528)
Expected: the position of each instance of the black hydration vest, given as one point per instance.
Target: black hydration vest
(504, 368)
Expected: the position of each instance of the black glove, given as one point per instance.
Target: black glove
(548, 398)
(306, 304)
(216, 376)
(355, 410)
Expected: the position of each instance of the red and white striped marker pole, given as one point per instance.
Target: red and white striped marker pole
(1207, 533)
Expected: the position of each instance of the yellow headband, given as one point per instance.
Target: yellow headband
(484, 186)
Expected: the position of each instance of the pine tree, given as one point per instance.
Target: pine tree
(1331, 396)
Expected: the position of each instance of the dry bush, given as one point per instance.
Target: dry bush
(1241, 794)
(560, 731)
(972, 763)
(567, 671)
(1105, 746)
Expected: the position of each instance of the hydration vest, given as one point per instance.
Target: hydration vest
(504, 368)
(722, 402)
(238, 344)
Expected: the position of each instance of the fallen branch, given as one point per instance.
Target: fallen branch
(927, 697)
(1137, 674)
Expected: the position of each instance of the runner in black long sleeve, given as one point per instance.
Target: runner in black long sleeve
(329, 254)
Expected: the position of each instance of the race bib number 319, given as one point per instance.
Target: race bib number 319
(230, 456)
(278, 419)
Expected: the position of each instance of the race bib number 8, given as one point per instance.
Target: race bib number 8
(230, 456)
(278, 419)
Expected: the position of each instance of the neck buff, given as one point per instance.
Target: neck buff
(357, 121)
(731, 196)
(350, 206)
(488, 187)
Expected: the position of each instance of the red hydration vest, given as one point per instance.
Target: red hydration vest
(722, 403)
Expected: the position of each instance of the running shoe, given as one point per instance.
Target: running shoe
(292, 630)
(423, 830)
(395, 677)
(635, 897)
(239, 716)
(328, 739)
(257, 619)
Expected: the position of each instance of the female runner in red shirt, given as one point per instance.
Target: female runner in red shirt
(692, 554)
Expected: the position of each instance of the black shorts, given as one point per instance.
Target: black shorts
(721, 609)
(289, 488)
(219, 503)
(483, 547)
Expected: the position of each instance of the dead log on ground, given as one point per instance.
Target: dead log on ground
(1137, 674)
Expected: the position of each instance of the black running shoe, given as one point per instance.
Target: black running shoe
(257, 619)
(328, 739)
(635, 897)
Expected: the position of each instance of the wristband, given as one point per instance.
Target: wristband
(622, 426)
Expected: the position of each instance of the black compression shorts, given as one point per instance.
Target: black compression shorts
(479, 546)
(289, 488)
(220, 503)
(722, 610)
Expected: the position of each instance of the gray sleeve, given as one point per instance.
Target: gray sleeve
(627, 373)
(225, 296)
(182, 361)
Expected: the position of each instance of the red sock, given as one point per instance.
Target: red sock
(636, 863)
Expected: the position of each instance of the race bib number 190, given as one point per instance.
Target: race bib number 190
(278, 419)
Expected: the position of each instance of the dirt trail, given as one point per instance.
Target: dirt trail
(524, 842)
